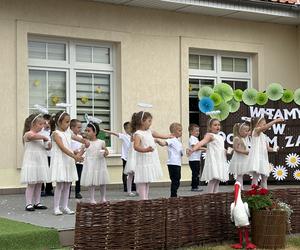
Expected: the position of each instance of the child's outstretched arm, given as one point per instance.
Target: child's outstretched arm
(31, 136)
(68, 152)
(161, 136)
(81, 140)
(137, 145)
(110, 132)
(207, 138)
(268, 125)
(161, 143)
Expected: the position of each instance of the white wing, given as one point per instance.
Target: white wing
(63, 105)
(94, 119)
(247, 209)
(214, 112)
(231, 211)
(145, 105)
(41, 109)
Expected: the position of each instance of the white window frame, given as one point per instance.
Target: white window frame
(217, 73)
(72, 67)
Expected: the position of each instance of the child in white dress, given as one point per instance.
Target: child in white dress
(238, 163)
(63, 168)
(258, 154)
(148, 168)
(215, 169)
(35, 170)
(95, 171)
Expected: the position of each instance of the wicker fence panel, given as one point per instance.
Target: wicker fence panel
(165, 223)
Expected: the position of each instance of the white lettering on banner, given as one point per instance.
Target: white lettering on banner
(298, 142)
(275, 113)
(273, 141)
(289, 143)
(256, 112)
(278, 114)
(288, 113)
(269, 113)
(278, 128)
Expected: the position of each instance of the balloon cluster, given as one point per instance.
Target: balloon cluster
(226, 100)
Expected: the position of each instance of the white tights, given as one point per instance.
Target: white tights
(61, 193)
(102, 194)
(33, 193)
(239, 178)
(129, 182)
(143, 190)
(213, 186)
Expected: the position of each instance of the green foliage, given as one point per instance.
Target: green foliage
(259, 202)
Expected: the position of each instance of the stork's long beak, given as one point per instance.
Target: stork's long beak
(236, 192)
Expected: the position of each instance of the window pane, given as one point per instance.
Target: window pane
(207, 82)
(240, 65)
(241, 85)
(207, 62)
(227, 64)
(56, 51)
(56, 87)
(83, 53)
(194, 62)
(37, 88)
(84, 90)
(101, 55)
(36, 50)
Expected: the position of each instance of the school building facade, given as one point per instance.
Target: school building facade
(104, 57)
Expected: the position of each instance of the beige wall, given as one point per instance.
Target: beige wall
(152, 48)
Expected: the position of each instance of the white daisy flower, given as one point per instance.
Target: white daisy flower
(279, 173)
(296, 174)
(292, 160)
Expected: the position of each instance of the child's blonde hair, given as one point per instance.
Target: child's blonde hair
(192, 126)
(30, 121)
(174, 126)
(256, 120)
(210, 122)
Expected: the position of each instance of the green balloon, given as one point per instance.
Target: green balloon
(205, 91)
(217, 99)
(274, 91)
(224, 90)
(297, 96)
(238, 95)
(233, 105)
(224, 111)
(261, 98)
(249, 96)
(288, 96)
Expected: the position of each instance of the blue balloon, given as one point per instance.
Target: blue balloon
(206, 104)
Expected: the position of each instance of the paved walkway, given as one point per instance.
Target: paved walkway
(12, 206)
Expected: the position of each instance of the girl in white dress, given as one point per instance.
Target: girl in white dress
(147, 168)
(258, 154)
(215, 169)
(62, 166)
(95, 171)
(238, 163)
(130, 168)
(35, 170)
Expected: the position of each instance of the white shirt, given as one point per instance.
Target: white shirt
(197, 154)
(175, 151)
(76, 145)
(125, 145)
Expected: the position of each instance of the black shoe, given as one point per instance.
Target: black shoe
(29, 207)
(78, 196)
(196, 190)
(39, 206)
(50, 193)
(43, 193)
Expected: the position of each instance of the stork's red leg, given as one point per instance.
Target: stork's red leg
(239, 245)
(249, 245)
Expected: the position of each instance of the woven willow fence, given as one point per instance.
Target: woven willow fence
(164, 223)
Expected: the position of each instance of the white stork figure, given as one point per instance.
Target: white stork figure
(240, 216)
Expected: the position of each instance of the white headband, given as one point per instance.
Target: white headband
(93, 126)
(60, 116)
(35, 118)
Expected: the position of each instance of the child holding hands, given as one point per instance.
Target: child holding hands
(95, 171)
(35, 170)
(63, 168)
(175, 153)
(215, 162)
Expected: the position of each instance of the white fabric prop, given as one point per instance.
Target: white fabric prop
(63, 105)
(41, 109)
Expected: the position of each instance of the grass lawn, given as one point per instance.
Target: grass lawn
(293, 243)
(23, 236)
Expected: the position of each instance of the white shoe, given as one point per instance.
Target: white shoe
(68, 211)
(57, 212)
(131, 194)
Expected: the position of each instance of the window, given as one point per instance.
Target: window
(207, 68)
(73, 72)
